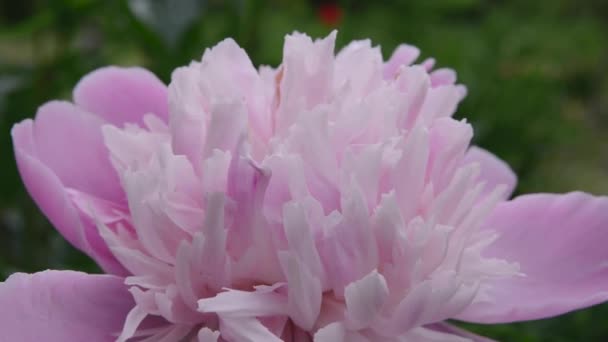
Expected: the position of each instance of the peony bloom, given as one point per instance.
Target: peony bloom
(331, 199)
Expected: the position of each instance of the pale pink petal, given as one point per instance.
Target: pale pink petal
(122, 95)
(387, 222)
(62, 306)
(441, 101)
(359, 66)
(299, 238)
(349, 251)
(213, 260)
(411, 311)
(494, 171)
(227, 126)
(247, 183)
(365, 166)
(245, 329)
(263, 302)
(304, 291)
(415, 83)
(208, 335)
(187, 118)
(444, 76)
(404, 55)
(131, 323)
(307, 76)
(449, 140)
(309, 138)
(337, 332)
(560, 243)
(227, 73)
(428, 63)
(365, 299)
(330, 333)
(408, 176)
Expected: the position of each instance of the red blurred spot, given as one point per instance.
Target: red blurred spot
(330, 14)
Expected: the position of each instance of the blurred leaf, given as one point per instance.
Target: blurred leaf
(8, 83)
(169, 19)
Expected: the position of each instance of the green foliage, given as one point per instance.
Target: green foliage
(537, 74)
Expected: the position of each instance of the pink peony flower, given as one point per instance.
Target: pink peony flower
(331, 199)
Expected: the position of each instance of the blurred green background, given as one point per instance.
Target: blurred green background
(537, 73)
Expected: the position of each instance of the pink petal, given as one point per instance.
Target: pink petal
(63, 306)
(227, 126)
(304, 291)
(404, 55)
(330, 333)
(187, 119)
(409, 174)
(245, 329)
(121, 95)
(300, 239)
(415, 83)
(449, 140)
(443, 76)
(214, 259)
(247, 183)
(360, 65)
(365, 299)
(349, 251)
(236, 303)
(337, 332)
(306, 80)
(446, 329)
(560, 243)
(69, 142)
(442, 101)
(494, 171)
(227, 73)
(92, 212)
(208, 335)
(47, 188)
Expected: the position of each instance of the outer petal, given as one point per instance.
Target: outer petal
(62, 306)
(494, 171)
(63, 149)
(454, 331)
(560, 243)
(69, 142)
(45, 187)
(121, 95)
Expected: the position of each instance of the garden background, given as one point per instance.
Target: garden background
(537, 74)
